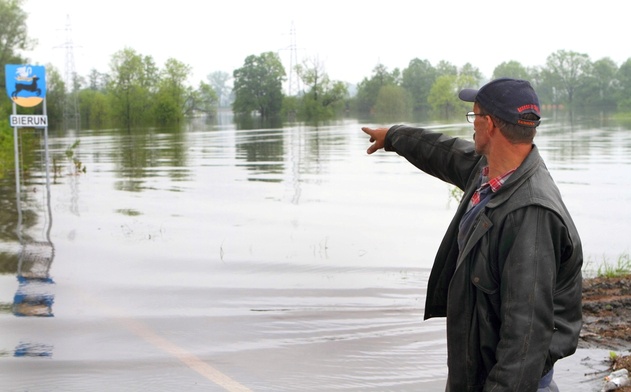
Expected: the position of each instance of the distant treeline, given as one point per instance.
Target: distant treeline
(136, 91)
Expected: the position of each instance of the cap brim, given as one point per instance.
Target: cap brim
(468, 94)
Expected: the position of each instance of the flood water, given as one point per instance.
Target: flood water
(214, 258)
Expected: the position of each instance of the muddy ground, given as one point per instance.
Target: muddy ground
(607, 318)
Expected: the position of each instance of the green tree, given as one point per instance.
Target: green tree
(468, 77)
(444, 96)
(203, 100)
(96, 80)
(149, 81)
(545, 86)
(323, 98)
(393, 102)
(446, 68)
(13, 39)
(13, 35)
(598, 89)
(93, 108)
(418, 79)
(567, 71)
(623, 96)
(511, 69)
(368, 89)
(55, 97)
(172, 92)
(258, 85)
(131, 86)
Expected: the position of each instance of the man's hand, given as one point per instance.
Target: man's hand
(377, 138)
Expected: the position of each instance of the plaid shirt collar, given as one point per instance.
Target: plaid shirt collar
(494, 183)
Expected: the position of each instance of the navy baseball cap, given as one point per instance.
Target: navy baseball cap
(507, 99)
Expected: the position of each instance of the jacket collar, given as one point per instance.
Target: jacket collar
(523, 173)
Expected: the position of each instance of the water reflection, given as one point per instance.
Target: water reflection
(31, 260)
(263, 151)
(582, 143)
(253, 249)
(29, 349)
(141, 153)
(33, 296)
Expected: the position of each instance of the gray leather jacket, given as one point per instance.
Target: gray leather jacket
(512, 297)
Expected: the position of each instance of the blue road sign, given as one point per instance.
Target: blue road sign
(26, 84)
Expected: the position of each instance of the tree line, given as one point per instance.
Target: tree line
(568, 80)
(137, 92)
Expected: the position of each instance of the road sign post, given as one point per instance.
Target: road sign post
(26, 87)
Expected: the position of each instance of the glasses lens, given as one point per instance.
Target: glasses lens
(470, 117)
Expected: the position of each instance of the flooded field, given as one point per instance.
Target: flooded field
(216, 258)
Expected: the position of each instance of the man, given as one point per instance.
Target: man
(507, 274)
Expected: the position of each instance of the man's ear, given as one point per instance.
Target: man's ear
(490, 126)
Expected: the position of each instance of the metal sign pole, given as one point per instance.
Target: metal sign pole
(47, 163)
(32, 297)
(47, 158)
(17, 177)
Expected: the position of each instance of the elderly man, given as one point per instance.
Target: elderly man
(507, 274)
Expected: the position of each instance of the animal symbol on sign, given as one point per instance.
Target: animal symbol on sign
(32, 87)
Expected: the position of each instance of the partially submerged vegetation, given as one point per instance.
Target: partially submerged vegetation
(613, 269)
(76, 166)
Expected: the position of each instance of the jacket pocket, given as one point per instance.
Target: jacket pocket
(488, 294)
(481, 273)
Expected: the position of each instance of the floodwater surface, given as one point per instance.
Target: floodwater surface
(214, 258)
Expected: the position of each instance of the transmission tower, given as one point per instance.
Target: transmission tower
(71, 103)
(293, 85)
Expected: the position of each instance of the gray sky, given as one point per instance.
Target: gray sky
(348, 37)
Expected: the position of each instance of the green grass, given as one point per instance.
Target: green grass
(620, 267)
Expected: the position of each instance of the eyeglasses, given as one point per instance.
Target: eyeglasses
(471, 116)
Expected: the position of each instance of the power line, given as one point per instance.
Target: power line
(293, 87)
(71, 114)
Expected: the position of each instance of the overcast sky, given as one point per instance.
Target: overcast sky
(348, 37)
